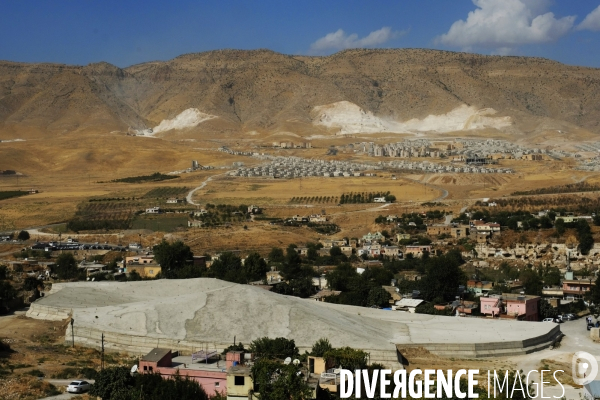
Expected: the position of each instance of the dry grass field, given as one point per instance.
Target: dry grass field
(68, 170)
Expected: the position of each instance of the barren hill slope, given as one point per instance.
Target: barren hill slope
(267, 91)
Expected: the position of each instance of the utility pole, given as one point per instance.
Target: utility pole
(73, 332)
(102, 356)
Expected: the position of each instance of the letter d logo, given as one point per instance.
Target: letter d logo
(584, 368)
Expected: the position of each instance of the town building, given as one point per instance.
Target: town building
(402, 236)
(373, 237)
(459, 231)
(391, 251)
(509, 305)
(417, 250)
(438, 229)
(577, 289)
(479, 288)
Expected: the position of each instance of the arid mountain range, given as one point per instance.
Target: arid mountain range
(263, 91)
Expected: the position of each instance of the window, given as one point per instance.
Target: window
(151, 272)
(145, 368)
(150, 368)
(217, 384)
(238, 380)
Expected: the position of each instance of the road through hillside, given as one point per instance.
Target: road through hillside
(190, 195)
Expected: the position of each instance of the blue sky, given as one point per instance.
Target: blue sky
(126, 32)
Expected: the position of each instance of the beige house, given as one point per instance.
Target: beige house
(240, 385)
(145, 271)
(417, 251)
(402, 236)
(436, 230)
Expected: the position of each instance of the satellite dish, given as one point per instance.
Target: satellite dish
(296, 362)
(287, 361)
(134, 370)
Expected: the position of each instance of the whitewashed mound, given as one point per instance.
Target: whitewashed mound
(207, 310)
(186, 119)
(349, 118)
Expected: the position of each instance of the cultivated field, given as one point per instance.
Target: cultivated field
(281, 191)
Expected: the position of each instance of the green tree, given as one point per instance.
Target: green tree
(116, 383)
(545, 222)
(443, 277)
(552, 277)
(335, 251)
(291, 267)
(7, 292)
(228, 267)
(339, 278)
(32, 283)
(347, 358)
(276, 255)
(593, 295)
(23, 235)
(66, 266)
(546, 310)
(586, 242)
(134, 276)
(3, 272)
(321, 347)
(276, 381)
(278, 348)
(255, 268)
(532, 282)
(172, 256)
(112, 381)
(312, 253)
(559, 225)
(379, 297)
(302, 285)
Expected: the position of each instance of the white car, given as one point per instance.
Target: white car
(78, 387)
(548, 320)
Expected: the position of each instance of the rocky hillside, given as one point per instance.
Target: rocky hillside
(267, 91)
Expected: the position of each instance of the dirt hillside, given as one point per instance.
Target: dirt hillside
(267, 92)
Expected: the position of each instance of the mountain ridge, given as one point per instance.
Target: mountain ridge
(267, 91)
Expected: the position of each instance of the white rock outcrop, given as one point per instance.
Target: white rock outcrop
(350, 118)
(186, 119)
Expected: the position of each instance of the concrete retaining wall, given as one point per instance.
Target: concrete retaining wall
(141, 345)
(91, 337)
(491, 349)
(38, 311)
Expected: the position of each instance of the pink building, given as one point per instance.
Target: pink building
(203, 367)
(509, 305)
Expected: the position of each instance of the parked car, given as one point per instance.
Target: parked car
(569, 317)
(78, 387)
(548, 320)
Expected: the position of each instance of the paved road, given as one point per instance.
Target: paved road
(576, 339)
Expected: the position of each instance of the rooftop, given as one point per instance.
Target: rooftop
(185, 362)
(156, 355)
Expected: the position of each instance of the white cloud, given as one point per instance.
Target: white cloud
(340, 40)
(504, 24)
(591, 21)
